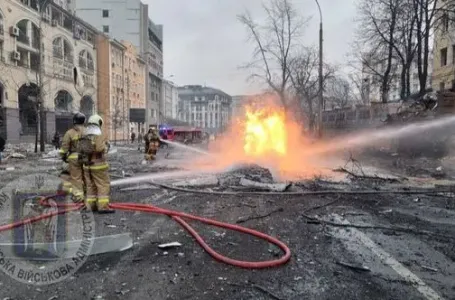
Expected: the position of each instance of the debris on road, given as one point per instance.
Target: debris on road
(273, 187)
(198, 182)
(18, 155)
(169, 245)
(429, 269)
(353, 267)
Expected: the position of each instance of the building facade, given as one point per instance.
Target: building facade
(170, 100)
(128, 20)
(443, 76)
(37, 72)
(135, 87)
(112, 100)
(204, 107)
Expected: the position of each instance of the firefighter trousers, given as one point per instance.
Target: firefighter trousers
(75, 184)
(98, 185)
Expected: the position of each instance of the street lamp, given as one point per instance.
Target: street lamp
(321, 99)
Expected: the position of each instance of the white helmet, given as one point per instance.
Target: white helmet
(96, 120)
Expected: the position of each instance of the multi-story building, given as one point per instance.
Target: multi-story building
(205, 107)
(37, 71)
(128, 20)
(443, 76)
(135, 87)
(121, 87)
(170, 100)
(112, 101)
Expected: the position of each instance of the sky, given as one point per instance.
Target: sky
(205, 44)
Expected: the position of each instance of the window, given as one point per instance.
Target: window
(105, 29)
(441, 86)
(443, 57)
(105, 13)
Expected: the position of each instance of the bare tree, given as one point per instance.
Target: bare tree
(378, 25)
(430, 15)
(304, 79)
(339, 92)
(275, 43)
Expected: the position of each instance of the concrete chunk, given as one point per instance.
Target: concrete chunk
(273, 187)
(198, 182)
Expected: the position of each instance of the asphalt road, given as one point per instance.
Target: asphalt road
(343, 247)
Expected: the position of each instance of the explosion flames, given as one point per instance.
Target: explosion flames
(264, 136)
(265, 132)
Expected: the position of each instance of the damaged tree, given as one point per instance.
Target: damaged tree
(275, 43)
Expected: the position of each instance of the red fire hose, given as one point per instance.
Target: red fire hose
(178, 217)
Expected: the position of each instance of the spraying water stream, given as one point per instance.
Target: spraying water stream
(185, 147)
(370, 137)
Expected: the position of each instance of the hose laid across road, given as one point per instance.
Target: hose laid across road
(178, 217)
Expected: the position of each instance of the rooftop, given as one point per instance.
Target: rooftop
(195, 90)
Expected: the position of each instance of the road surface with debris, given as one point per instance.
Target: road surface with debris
(344, 246)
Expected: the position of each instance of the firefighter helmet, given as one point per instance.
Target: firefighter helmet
(78, 119)
(96, 119)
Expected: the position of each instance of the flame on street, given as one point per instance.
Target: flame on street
(263, 136)
(265, 133)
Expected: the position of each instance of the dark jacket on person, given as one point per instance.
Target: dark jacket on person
(2, 144)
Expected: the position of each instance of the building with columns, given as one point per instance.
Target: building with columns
(37, 72)
(204, 107)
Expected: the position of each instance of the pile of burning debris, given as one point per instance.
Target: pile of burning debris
(239, 178)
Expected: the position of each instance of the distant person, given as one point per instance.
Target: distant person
(133, 137)
(139, 140)
(56, 140)
(2, 147)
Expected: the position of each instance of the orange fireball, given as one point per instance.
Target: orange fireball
(265, 132)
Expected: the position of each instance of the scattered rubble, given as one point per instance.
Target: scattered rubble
(274, 187)
(251, 172)
(198, 182)
(169, 245)
(18, 155)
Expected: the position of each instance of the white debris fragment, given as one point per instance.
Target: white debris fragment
(169, 245)
(17, 155)
(199, 182)
(112, 150)
(274, 187)
(52, 154)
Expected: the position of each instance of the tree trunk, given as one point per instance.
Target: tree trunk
(403, 86)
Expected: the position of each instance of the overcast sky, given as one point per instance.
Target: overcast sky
(204, 43)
